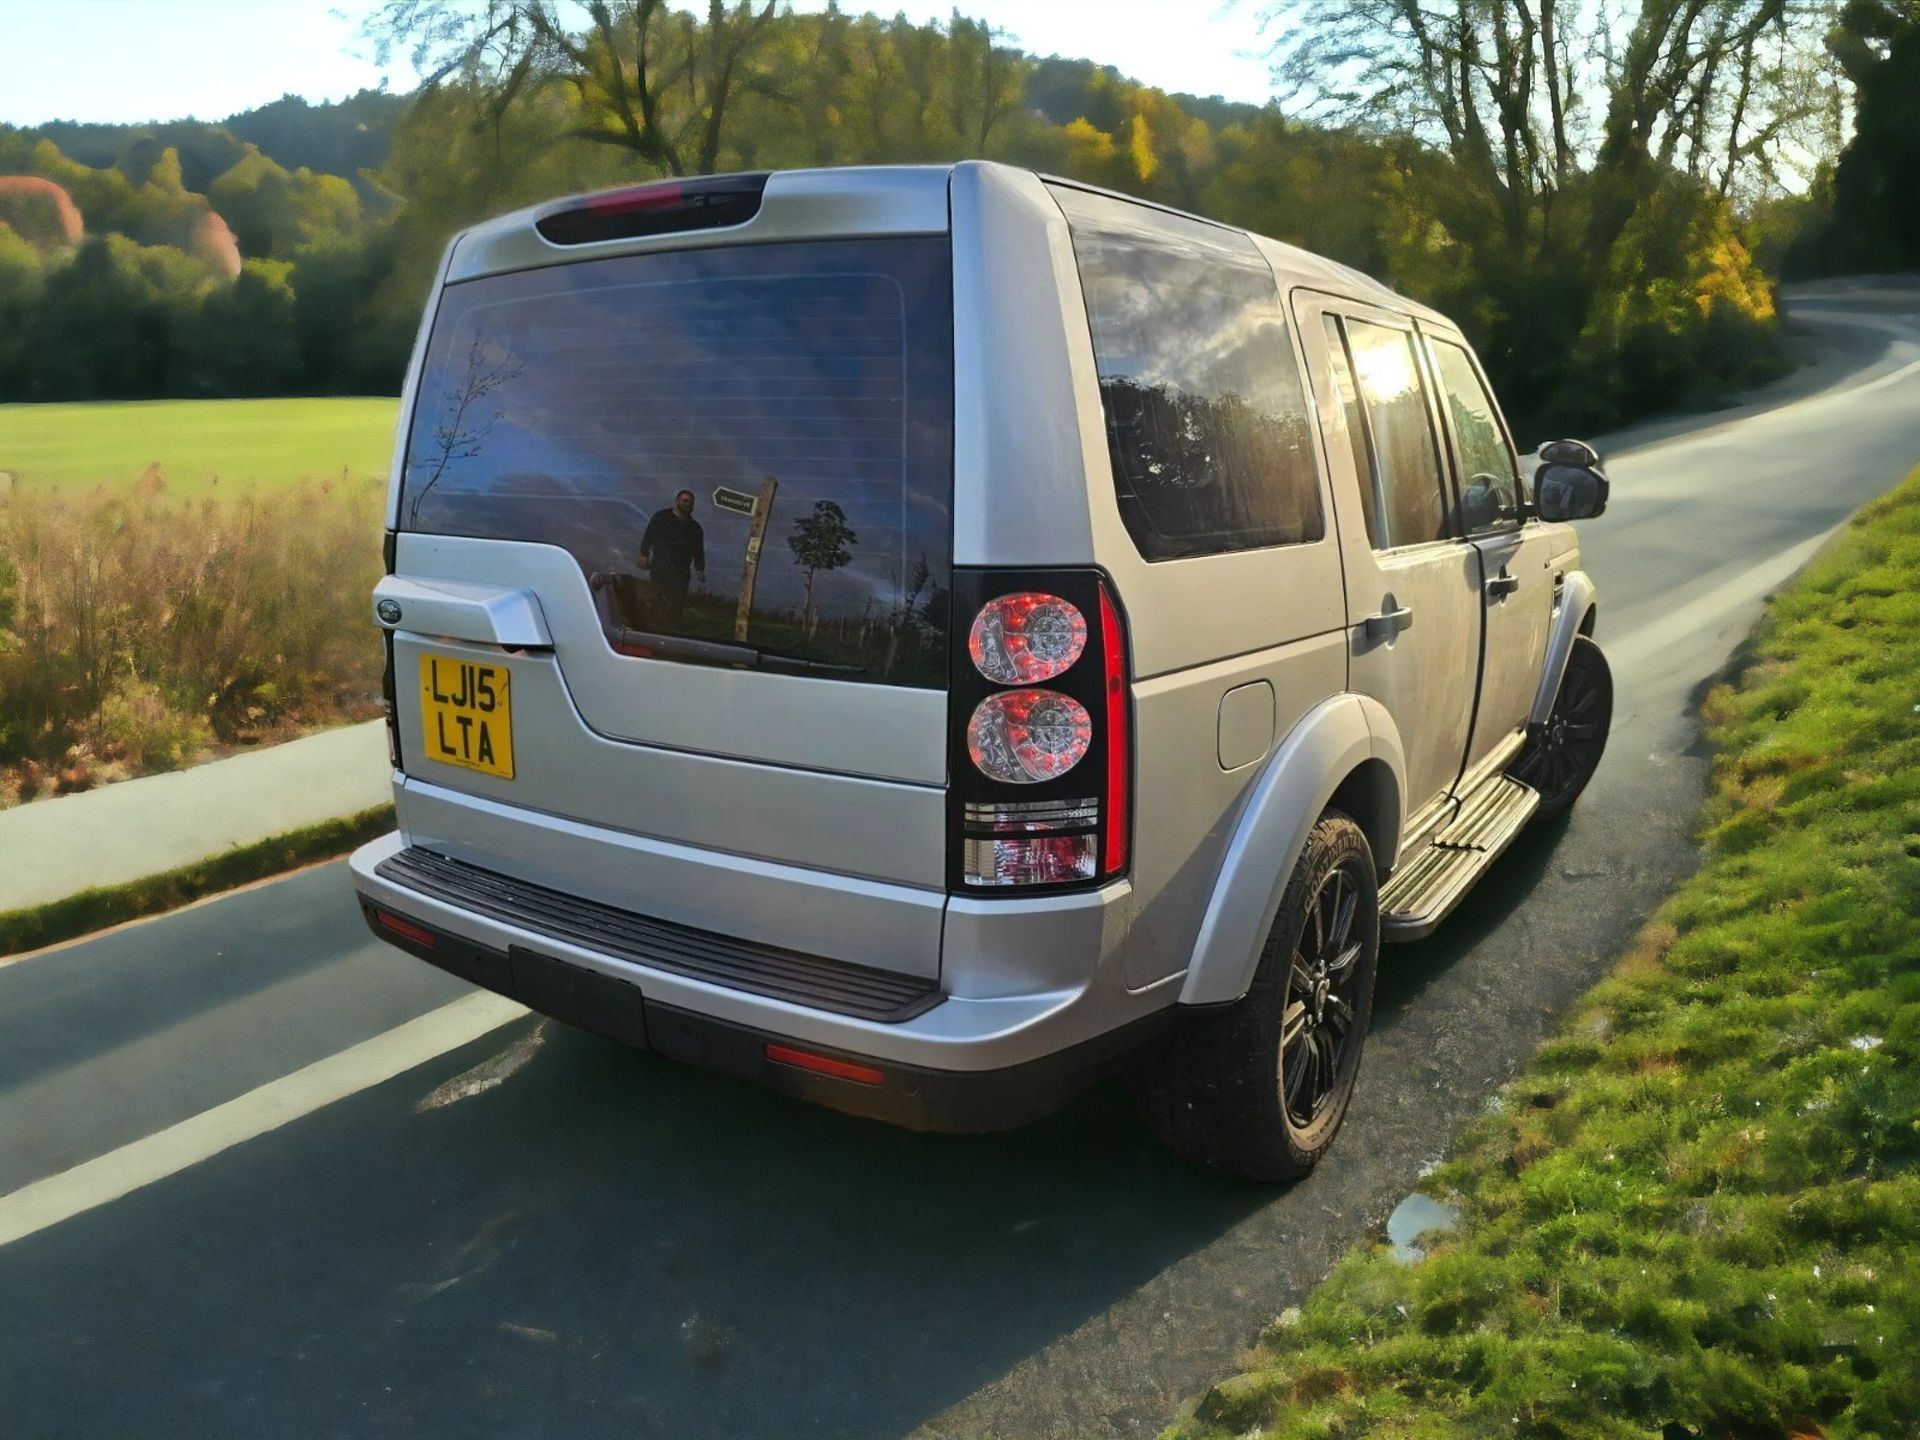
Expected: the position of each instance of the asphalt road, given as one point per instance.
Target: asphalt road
(538, 1233)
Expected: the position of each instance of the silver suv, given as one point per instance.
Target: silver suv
(924, 638)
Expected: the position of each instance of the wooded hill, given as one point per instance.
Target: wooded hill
(1607, 231)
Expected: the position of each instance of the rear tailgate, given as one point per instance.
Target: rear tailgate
(756, 675)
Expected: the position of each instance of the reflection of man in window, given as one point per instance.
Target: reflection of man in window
(673, 546)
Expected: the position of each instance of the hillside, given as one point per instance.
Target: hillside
(285, 250)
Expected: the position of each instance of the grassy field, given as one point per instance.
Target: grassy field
(1696, 1212)
(201, 446)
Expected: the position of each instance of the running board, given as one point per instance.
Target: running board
(1430, 883)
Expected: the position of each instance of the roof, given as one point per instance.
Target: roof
(879, 199)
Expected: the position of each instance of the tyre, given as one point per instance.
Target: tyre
(1259, 1089)
(1562, 754)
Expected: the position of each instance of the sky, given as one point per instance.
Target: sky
(131, 60)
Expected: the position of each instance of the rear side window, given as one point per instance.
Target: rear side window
(745, 444)
(1206, 414)
(1411, 501)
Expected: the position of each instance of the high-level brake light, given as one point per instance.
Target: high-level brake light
(670, 207)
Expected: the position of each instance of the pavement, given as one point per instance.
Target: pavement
(55, 848)
(262, 1176)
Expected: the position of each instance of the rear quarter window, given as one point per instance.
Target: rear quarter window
(638, 410)
(1205, 411)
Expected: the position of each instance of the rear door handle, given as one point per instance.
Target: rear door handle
(1388, 623)
(1501, 586)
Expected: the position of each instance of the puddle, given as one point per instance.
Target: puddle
(1413, 1217)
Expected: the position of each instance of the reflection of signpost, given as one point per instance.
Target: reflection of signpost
(759, 507)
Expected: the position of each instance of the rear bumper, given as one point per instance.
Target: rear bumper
(960, 1062)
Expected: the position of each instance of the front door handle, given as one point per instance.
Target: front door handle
(1388, 623)
(1501, 586)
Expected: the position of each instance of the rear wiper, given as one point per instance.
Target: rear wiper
(720, 652)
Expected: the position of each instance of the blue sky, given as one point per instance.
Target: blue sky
(132, 60)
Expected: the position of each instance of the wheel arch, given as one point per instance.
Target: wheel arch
(1579, 610)
(1371, 796)
(1345, 752)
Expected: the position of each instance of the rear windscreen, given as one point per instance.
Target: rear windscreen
(748, 445)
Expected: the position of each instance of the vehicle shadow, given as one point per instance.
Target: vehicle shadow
(545, 1233)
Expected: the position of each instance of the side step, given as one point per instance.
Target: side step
(1430, 883)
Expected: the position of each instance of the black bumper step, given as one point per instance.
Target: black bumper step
(811, 980)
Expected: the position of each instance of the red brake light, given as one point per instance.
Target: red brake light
(1026, 638)
(640, 197)
(1113, 644)
(666, 208)
(1021, 737)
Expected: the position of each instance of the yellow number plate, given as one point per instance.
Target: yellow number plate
(466, 714)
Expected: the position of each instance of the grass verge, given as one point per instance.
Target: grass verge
(1696, 1213)
(91, 910)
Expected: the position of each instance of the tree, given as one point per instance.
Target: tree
(648, 78)
(820, 541)
(242, 342)
(1876, 206)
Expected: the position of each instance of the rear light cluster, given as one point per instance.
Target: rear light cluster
(1041, 710)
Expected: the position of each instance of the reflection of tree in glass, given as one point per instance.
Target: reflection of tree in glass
(1195, 461)
(457, 436)
(820, 541)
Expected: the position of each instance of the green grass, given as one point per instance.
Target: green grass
(91, 910)
(200, 445)
(1697, 1211)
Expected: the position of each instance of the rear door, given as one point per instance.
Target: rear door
(1413, 581)
(722, 477)
(1514, 552)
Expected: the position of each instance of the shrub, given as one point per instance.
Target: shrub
(136, 725)
(138, 628)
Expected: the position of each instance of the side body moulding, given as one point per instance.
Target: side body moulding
(1577, 600)
(1339, 738)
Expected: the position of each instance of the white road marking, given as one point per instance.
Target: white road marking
(1717, 606)
(166, 1152)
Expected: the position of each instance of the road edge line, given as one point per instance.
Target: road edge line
(133, 1166)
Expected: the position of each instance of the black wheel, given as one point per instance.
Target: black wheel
(1259, 1090)
(1562, 755)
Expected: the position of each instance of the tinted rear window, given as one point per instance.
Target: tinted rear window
(1206, 415)
(570, 406)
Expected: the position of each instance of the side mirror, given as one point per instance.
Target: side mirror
(1569, 485)
(1570, 452)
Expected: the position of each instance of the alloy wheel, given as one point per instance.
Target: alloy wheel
(1317, 1024)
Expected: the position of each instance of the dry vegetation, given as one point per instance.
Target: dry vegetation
(140, 631)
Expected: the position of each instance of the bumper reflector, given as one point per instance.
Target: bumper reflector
(824, 1065)
(419, 934)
